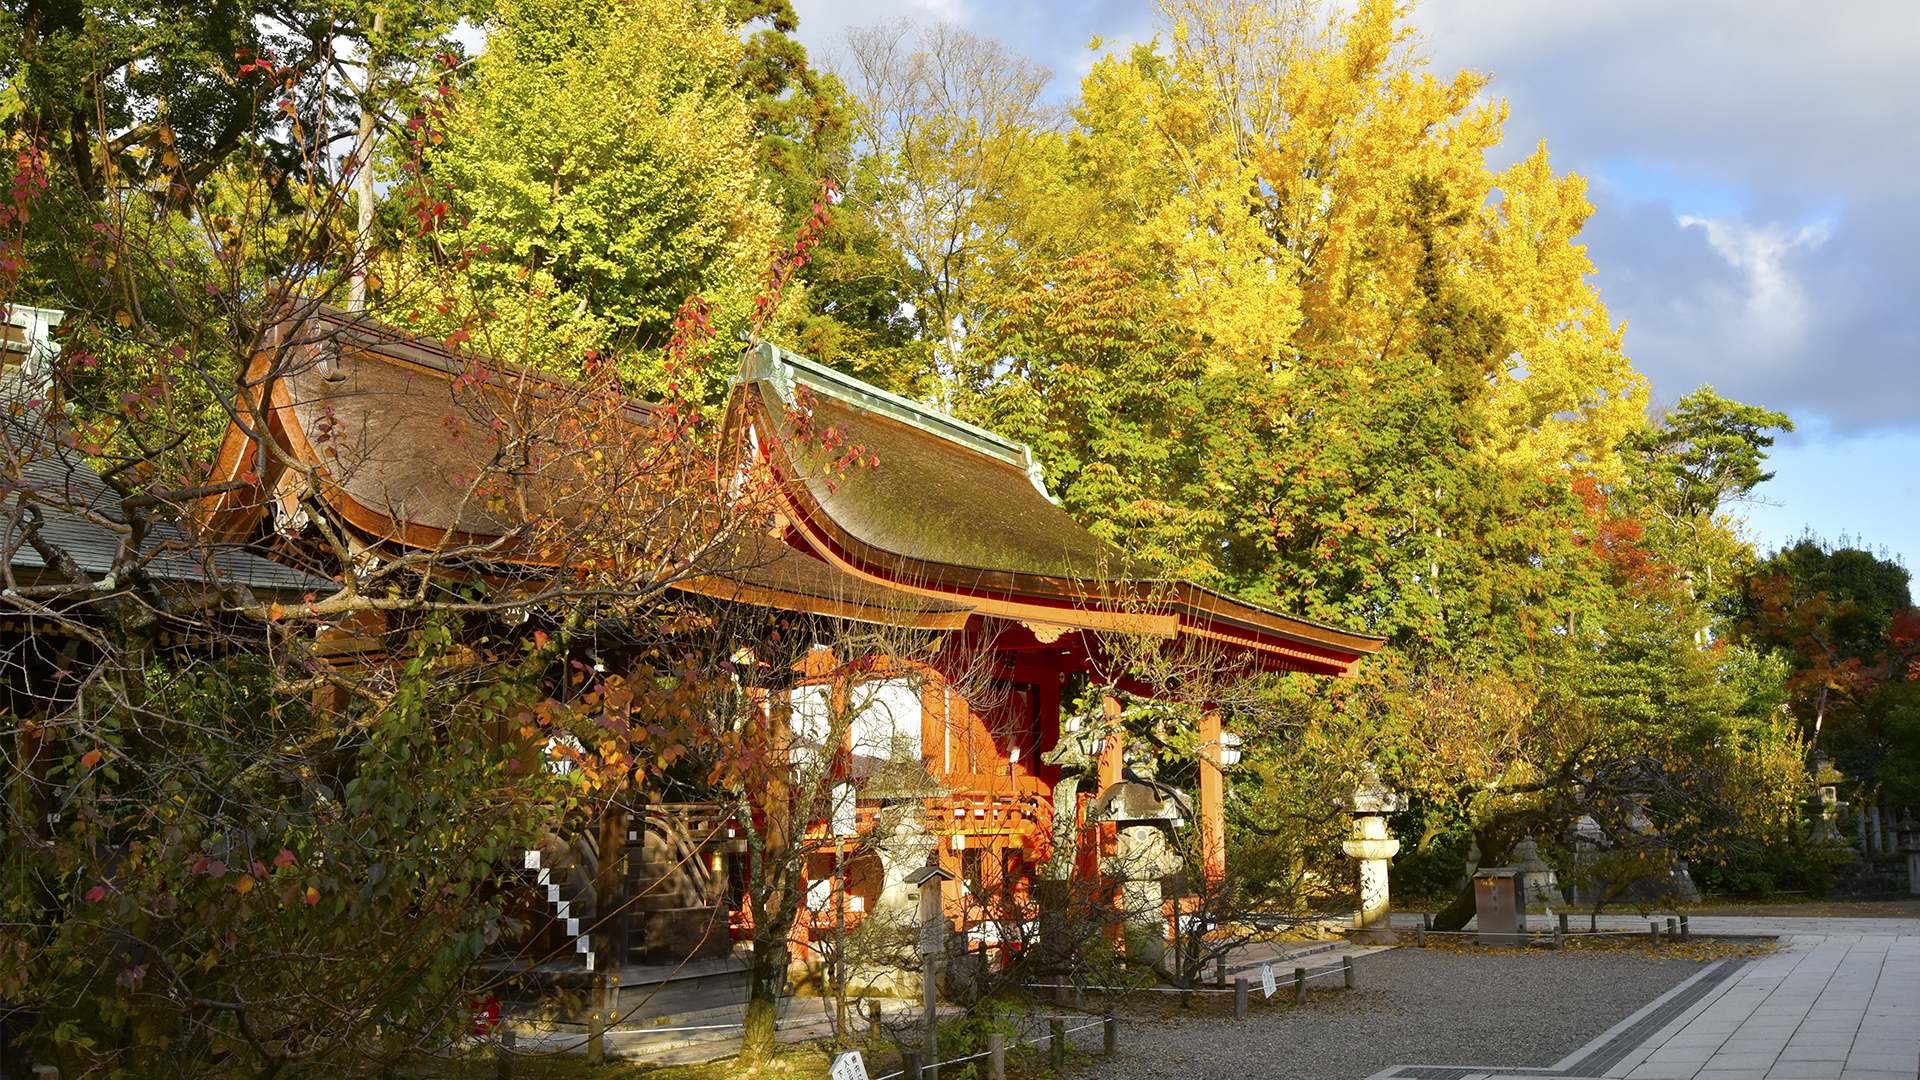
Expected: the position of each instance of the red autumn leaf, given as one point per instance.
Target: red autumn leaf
(91, 758)
(284, 859)
(97, 893)
(313, 896)
(217, 868)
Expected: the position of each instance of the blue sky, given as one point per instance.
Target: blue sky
(1755, 171)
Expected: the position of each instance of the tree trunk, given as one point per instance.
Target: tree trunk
(773, 889)
(1457, 913)
(765, 980)
(610, 887)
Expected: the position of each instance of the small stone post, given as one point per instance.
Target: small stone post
(1057, 1044)
(1346, 966)
(996, 1056)
(1240, 999)
(1369, 803)
(1299, 986)
(1110, 1044)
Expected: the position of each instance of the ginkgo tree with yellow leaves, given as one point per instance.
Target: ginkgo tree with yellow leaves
(1402, 365)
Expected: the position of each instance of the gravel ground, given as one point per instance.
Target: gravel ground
(1414, 1006)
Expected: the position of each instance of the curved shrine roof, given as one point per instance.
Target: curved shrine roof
(954, 510)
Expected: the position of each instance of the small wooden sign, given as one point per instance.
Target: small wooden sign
(849, 1066)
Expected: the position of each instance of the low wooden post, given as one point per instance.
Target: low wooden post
(1240, 999)
(1558, 933)
(596, 1037)
(910, 1063)
(1653, 932)
(1420, 936)
(1346, 965)
(1685, 934)
(1563, 921)
(996, 1056)
(1300, 986)
(1673, 930)
(1057, 1043)
(1110, 1045)
(503, 1054)
(1220, 973)
(873, 1010)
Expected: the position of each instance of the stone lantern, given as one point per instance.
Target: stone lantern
(1909, 833)
(1144, 810)
(1369, 803)
(1825, 805)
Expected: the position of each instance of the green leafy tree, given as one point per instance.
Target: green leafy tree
(602, 170)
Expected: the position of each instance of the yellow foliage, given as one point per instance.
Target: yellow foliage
(1263, 169)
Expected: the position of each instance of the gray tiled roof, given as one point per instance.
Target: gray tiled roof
(79, 513)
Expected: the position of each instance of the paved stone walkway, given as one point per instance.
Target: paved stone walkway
(1840, 1000)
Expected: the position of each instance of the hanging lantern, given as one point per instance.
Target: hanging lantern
(1229, 750)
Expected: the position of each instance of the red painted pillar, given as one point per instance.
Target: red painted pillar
(1213, 801)
(1116, 744)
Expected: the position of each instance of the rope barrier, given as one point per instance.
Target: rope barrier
(1547, 934)
(1017, 1041)
(1320, 973)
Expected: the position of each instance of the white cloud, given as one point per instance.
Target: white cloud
(1776, 303)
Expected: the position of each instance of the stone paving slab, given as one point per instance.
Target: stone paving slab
(1827, 1006)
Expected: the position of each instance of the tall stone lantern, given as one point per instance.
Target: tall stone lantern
(1825, 804)
(1370, 802)
(1909, 834)
(1145, 812)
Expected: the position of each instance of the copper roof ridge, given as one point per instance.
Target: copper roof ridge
(787, 371)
